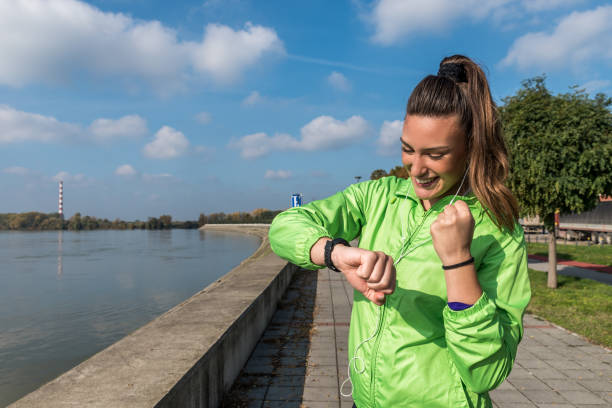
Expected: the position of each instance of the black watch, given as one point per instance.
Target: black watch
(329, 247)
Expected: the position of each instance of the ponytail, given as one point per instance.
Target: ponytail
(461, 88)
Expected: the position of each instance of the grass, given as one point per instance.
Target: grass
(583, 306)
(596, 254)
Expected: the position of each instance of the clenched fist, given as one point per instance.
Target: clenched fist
(452, 233)
(371, 273)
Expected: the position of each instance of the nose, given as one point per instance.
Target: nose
(416, 166)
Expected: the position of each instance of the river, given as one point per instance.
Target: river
(66, 295)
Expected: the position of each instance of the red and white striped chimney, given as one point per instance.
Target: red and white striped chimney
(61, 199)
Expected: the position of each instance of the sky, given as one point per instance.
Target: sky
(150, 107)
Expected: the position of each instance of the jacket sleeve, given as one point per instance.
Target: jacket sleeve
(294, 231)
(483, 339)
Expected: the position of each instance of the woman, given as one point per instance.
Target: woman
(440, 275)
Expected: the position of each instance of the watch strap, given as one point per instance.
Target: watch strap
(329, 247)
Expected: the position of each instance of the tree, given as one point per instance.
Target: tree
(202, 220)
(378, 173)
(399, 171)
(561, 150)
(165, 221)
(74, 223)
(152, 223)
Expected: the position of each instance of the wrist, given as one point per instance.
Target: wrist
(330, 248)
(317, 251)
(455, 258)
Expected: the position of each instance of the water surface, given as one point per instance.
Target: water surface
(66, 295)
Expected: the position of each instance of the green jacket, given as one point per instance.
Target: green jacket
(423, 354)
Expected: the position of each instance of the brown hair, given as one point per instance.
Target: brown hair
(461, 88)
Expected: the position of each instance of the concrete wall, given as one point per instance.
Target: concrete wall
(189, 356)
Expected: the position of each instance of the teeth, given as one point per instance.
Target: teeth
(424, 181)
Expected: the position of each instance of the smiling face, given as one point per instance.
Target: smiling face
(434, 152)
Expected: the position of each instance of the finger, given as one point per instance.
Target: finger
(368, 260)
(388, 278)
(378, 270)
(375, 297)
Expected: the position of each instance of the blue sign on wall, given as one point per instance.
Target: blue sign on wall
(296, 200)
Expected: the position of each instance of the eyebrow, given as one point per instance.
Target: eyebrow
(429, 149)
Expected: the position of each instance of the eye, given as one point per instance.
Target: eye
(406, 150)
(436, 156)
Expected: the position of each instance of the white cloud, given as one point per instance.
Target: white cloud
(51, 41)
(260, 144)
(339, 82)
(388, 141)
(18, 126)
(578, 38)
(78, 179)
(278, 175)
(540, 5)
(225, 53)
(325, 132)
(253, 99)
(322, 133)
(125, 170)
(17, 170)
(203, 118)
(168, 143)
(105, 130)
(394, 20)
(596, 85)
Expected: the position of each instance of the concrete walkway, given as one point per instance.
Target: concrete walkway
(301, 360)
(569, 270)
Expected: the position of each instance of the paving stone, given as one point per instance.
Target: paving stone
(321, 381)
(519, 373)
(531, 384)
(506, 404)
(317, 404)
(508, 396)
(581, 397)
(592, 406)
(281, 404)
(322, 370)
(593, 363)
(580, 374)
(301, 371)
(506, 385)
(544, 353)
(256, 393)
(346, 403)
(280, 393)
(596, 385)
(253, 403)
(567, 385)
(542, 396)
(548, 373)
(314, 360)
(320, 394)
(606, 396)
(287, 381)
(565, 364)
(534, 363)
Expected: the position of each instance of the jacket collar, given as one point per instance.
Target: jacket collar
(404, 188)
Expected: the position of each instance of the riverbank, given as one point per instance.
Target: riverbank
(191, 354)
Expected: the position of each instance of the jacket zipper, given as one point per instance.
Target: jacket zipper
(382, 318)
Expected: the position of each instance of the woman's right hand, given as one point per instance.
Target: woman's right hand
(371, 273)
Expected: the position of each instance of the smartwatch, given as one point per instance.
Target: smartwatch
(329, 247)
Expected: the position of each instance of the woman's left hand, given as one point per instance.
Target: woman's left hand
(452, 233)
